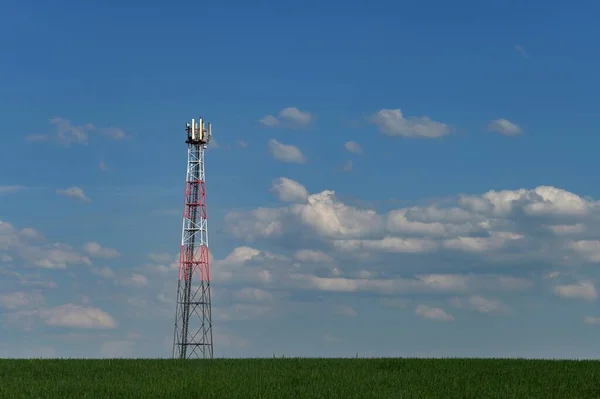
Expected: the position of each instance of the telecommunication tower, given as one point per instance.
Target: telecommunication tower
(193, 326)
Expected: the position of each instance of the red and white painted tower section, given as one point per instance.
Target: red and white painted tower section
(193, 325)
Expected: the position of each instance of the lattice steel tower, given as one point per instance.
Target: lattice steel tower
(193, 326)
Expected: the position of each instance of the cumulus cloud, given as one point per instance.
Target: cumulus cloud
(425, 283)
(70, 133)
(247, 265)
(505, 127)
(475, 223)
(581, 290)
(28, 246)
(289, 190)
(68, 315)
(353, 146)
(135, 280)
(74, 192)
(288, 117)
(21, 300)
(77, 316)
(471, 241)
(591, 320)
(286, 152)
(481, 304)
(115, 133)
(96, 250)
(432, 313)
(393, 123)
(312, 256)
(7, 190)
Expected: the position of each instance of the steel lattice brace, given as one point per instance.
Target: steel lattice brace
(193, 325)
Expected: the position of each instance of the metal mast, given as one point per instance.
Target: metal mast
(193, 327)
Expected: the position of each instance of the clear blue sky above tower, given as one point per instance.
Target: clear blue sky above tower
(119, 80)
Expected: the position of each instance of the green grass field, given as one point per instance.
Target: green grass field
(299, 378)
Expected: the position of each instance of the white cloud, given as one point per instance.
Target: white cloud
(28, 246)
(96, 250)
(286, 152)
(77, 316)
(505, 127)
(588, 250)
(328, 217)
(432, 313)
(541, 201)
(115, 133)
(353, 146)
(54, 256)
(129, 279)
(359, 247)
(322, 214)
(246, 264)
(74, 192)
(135, 280)
(393, 123)
(486, 305)
(28, 232)
(258, 223)
(591, 320)
(581, 290)
(485, 224)
(270, 121)
(68, 315)
(241, 255)
(418, 284)
(289, 190)
(288, 117)
(7, 190)
(21, 300)
(311, 255)
(69, 133)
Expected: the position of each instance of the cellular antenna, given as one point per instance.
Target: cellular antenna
(193, 326)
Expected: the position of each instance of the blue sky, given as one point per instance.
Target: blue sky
(392, 179)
